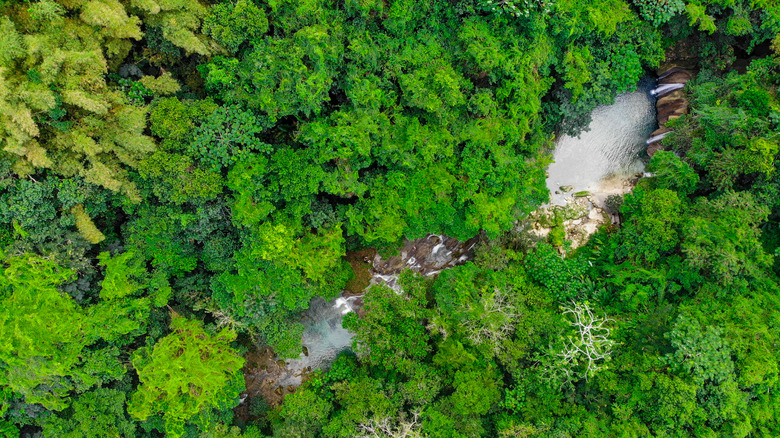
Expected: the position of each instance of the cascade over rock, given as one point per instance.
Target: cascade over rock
(672, 102)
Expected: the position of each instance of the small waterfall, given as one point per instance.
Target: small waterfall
(345, 304)
(665, 89)
(658, 137)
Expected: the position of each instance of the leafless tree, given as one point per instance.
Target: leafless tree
(392, 428)
(496, 320)
(584, 353)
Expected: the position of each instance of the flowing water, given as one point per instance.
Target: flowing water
(323, 339)
(613, 145)
(663, 90)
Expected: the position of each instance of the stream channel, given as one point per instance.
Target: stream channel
(611, 149)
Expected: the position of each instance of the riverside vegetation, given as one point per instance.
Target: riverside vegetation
(179, 179)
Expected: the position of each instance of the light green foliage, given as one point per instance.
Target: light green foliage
(697, 14)
(85, 225)
(722, 241)
(577, 63)
(700, 351)
(476, 392)
(173, 175)
(122, 275)
(31, 351)
(179, 23)
(603, 16)
(221, 430)
(174, 120)
(46, 333)
(163, 85)
(277, 272)
(186, 372)
(8, 429)
(518, 9)
(88, 131)
(282, 83)
(126, 275)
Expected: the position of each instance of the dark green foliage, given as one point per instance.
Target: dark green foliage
(560, 275)
(97, 413)
(304, 129)
(394, 334)
(656, 226)
(231, 24)
(670, 172)
(660, 11)
(303, 414)
(226, 135)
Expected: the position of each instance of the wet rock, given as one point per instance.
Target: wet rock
(674, 95)
(279, 390)
(671, 106)
(305, 351)
(675, 104)
(659, 131)
(679, 77)
(428, 256)
(652, 148)
(668, 70)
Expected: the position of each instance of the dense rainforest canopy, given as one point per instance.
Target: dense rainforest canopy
(178, 179)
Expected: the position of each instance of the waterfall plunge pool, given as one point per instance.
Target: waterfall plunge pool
(613, 145)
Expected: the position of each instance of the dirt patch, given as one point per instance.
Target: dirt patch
(361, 262)
(262, 369)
